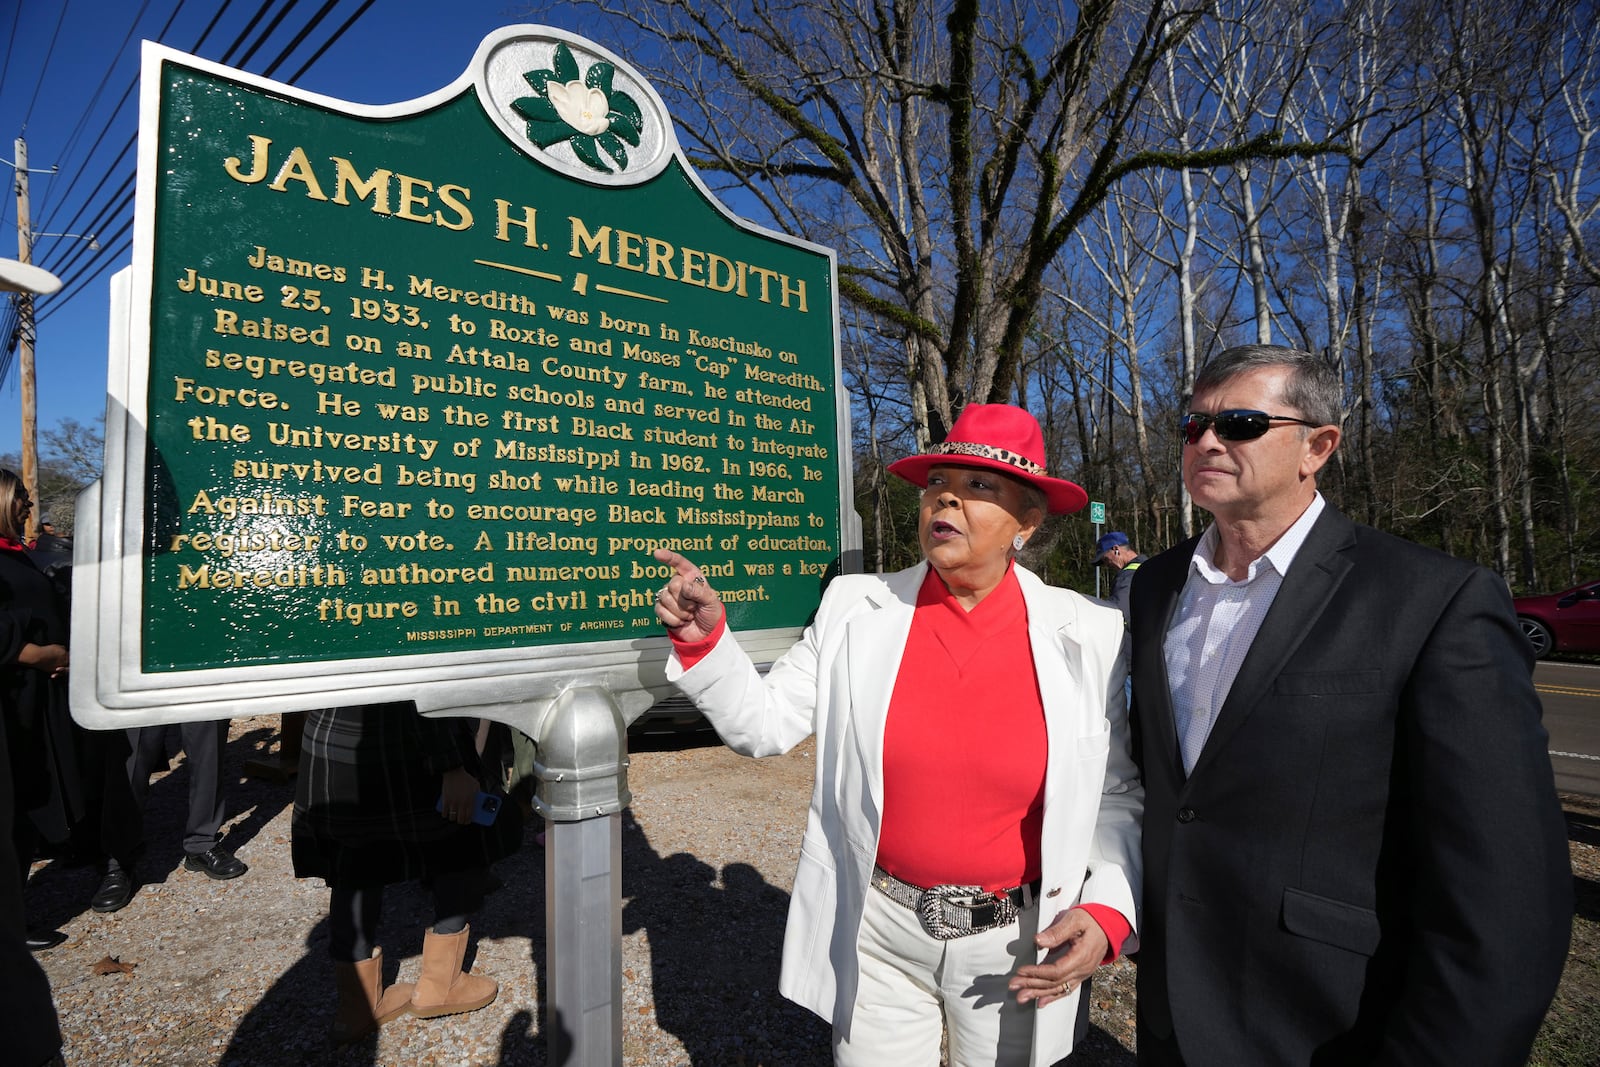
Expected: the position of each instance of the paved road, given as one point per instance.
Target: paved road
(1571, 695)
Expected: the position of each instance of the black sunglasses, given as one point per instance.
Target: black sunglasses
(1238, 424)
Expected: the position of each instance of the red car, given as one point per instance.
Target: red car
(1562, 622)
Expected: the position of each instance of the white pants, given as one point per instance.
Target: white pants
(912, 987)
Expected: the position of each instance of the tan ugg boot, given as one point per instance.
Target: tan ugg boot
(361, 1009)
(443, 988)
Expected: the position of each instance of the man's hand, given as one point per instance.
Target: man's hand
(686, 605)
(1076, 946)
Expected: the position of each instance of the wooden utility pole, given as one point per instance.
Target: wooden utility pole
(25, 329)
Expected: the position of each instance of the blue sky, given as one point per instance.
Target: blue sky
(63, 88)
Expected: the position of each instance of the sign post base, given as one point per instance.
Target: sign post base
(582, 770)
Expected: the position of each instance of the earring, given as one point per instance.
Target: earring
(1017, 542)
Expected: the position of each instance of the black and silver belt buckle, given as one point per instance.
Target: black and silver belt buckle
(951, 911)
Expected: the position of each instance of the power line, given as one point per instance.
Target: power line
(11, 48)
(10, 319)
(133, 84)
(83, 119)
(316, 20)
(76, 280)
(328, 43)
(81, 283)
(262, 38)
(108, 173)
(61, 15)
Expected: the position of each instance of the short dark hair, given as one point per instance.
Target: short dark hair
(1313, 388)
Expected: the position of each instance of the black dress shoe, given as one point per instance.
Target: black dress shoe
(216, 861)
(38, 942)
(116, 889)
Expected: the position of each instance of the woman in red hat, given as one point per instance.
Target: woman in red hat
(972, 850)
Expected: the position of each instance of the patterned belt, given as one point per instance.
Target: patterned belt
(951, 911)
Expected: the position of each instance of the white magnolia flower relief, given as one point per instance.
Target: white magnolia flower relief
(586, 112)
(582, 108)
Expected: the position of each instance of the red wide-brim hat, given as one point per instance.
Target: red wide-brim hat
(996, 437)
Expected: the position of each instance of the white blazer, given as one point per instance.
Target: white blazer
(836, 683)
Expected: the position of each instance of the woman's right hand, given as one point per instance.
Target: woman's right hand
(686, 605)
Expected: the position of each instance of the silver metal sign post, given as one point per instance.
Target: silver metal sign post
(583, 786)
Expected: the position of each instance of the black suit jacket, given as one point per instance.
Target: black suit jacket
(1369, 863)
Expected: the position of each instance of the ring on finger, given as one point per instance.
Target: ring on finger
(698, 580)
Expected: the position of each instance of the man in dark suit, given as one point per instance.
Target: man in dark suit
(1353, 851)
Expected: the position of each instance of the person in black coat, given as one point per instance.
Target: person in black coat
(33, 1033)
(29, 794)
(385, 795)
(72, 787)
(1353, 850)
(46, 787)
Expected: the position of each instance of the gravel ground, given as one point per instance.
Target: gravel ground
(236, 973)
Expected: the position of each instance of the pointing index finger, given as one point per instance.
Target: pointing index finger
(675, 561)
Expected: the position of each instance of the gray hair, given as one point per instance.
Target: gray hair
(1312, 389)
(1033, 497)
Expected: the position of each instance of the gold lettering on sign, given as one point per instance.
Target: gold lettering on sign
(661, 259)
(489, 444)
(392, 194)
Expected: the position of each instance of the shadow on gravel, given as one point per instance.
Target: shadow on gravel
(167, 809)
(59, 892)
(715, 945)
(289, 1024)
(1099, 1049)
(714, 953)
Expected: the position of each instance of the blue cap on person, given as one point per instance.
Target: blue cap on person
(997, 437)
(1114, 539)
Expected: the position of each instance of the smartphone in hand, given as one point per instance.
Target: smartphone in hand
(484, 809)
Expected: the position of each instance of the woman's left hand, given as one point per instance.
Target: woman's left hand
(1076, 946)
(460, 795)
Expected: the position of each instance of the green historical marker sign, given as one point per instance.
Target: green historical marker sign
(435, 379)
